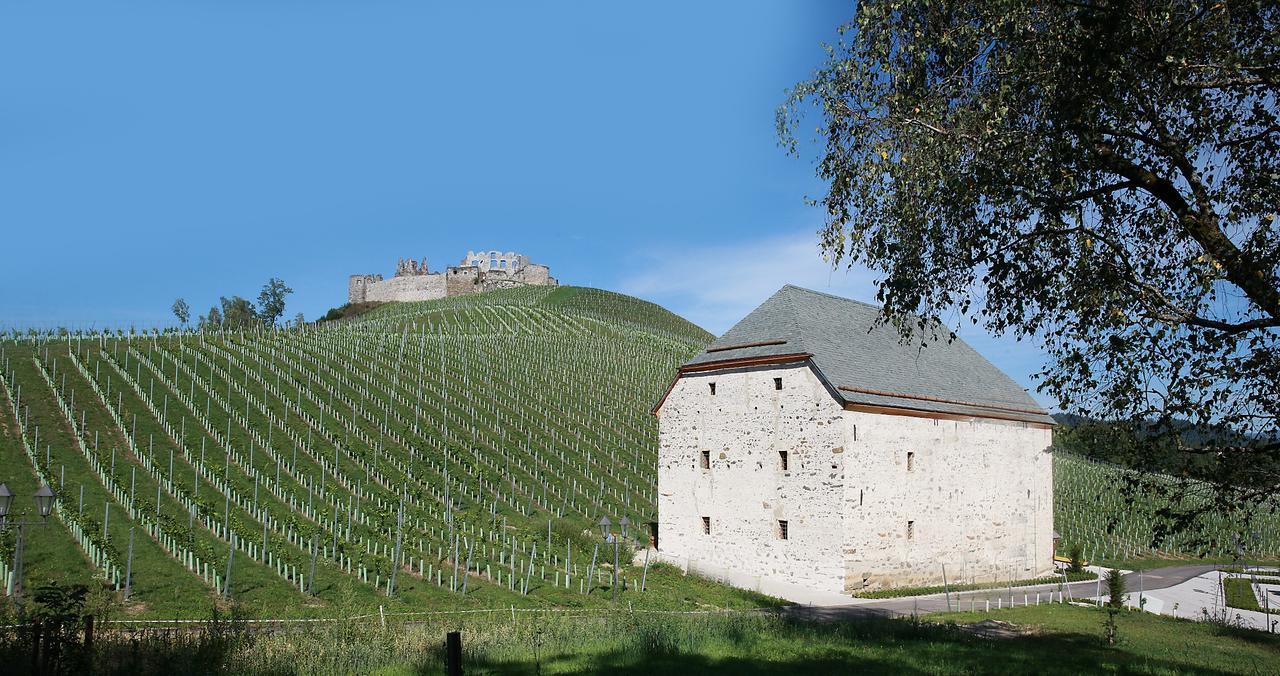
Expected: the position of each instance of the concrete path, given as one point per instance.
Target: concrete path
(851, 608)
(1201, 596)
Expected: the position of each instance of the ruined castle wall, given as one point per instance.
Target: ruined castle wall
(357, 286)
(535, 274)
(407, 288)
(462, 281)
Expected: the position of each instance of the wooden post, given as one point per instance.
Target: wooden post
(645, 575)
(35, 647)
(128, 568)
(453, 653)
(946, 589)
(88, 637)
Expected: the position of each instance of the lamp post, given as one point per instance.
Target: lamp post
(44, 499)
(610, 537)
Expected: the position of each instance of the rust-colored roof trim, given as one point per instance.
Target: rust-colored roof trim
(940, 400)
(936, 415)
(745, 361)
(743, 346)
(729, 364)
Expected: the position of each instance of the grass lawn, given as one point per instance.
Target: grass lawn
(1057, 639)
(1239, 594)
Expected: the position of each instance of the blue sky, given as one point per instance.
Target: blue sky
(195, 149)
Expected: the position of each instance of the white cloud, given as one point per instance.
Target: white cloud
(715, 286)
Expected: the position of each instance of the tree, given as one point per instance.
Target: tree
(271, 300)
(182, 311)
(1099, 175)
(215, 318)
(299, 320)
(238, 313)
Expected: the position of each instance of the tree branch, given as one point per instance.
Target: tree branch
(1202, 226)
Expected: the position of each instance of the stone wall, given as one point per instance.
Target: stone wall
(408, 288)
(979, 493)
(745, 492)
(357, 287)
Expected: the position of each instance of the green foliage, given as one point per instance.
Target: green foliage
(271, 300)
(1115, 588)
(1077, 562)
(1117, 514)
(1100, 176)
(181, 310)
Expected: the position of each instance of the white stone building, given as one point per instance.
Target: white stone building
(809, 448)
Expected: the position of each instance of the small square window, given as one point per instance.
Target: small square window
(782, 530)
(777, 383)
(713, 388)
(706, 525)
(911, 530)
(782, 461)
(911, 461)
(706, 460)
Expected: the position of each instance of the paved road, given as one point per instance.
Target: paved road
(921, 605)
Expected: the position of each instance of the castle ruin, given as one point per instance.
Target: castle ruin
(478, 271)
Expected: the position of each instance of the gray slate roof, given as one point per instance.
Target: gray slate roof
(850, 350)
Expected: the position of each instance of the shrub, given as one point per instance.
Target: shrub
(1115, 589)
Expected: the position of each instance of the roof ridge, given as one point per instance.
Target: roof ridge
(834, 296)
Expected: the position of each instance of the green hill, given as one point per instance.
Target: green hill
(509, 422)
(476, 440)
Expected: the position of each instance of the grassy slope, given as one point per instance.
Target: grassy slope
(506, 409)
(1061, 639)
(498, 414)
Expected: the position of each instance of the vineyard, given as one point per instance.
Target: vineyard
(455, 453)
(474, 441)
(1093, 509)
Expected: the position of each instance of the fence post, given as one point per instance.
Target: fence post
(453, 653)
(88, 637)
(35, 647)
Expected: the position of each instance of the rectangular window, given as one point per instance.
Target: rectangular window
(777, 383)
(706, 460)
(782, 461)
(706, 525)
(713, 389)
(911, 461)
(911, 530)
(782, 530)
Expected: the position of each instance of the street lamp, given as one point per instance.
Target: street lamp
(6, 499)
(609, 537)
(44, 501)
(44, 498)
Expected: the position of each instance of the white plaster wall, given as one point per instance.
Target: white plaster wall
(745, 492)
(410, 288)
(980, 494)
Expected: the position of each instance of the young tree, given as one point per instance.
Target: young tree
(271, 300)
(1098, 175)
(182, 311)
